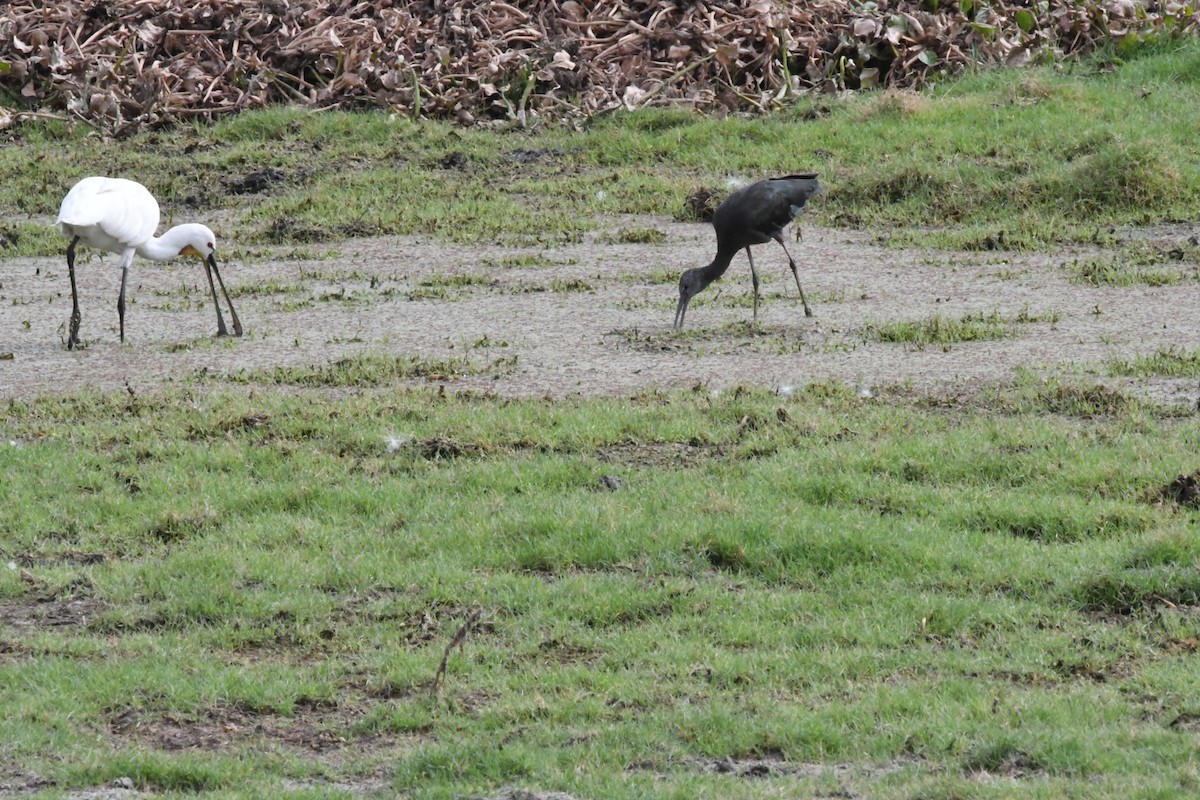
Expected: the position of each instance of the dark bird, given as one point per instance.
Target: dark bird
(120, 216)
(755, 214)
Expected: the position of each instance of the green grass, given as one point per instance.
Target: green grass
(367, 370)
(564, 285)
(1171, 362)
(634, 235)
(523, 260)
(980, 163)
(921, 595)
(448, 287)
(942, 331)
(1107, 271)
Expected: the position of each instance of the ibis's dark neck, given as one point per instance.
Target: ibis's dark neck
(719, 264)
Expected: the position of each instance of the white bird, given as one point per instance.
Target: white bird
(120, 216)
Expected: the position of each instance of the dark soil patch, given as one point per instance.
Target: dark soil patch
(535, 155)
(25, 614)
(1186, 722)
(255, 182)
(1097, 672)
(284, 230)
(1016, 765)
(700, 205)
(564, 652)
(15, 783)
(658, 454)
(1185, 644)
(71, 558)
(748, 767)
(774, 765)
(1183, 491)
(527, 794)
(442, 448)
(314, 728)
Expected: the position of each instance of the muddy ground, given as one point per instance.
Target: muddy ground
(595, 317)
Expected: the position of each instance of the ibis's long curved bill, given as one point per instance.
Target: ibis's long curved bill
(680, 310)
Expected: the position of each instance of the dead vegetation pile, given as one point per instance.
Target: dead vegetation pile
(125, 64)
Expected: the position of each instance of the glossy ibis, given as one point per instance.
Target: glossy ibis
(752, 215)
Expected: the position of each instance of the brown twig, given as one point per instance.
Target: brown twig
(458, 639)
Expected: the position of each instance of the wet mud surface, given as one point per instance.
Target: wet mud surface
(595, 317)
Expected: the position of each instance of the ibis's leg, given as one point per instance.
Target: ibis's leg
(73, 333)
(221, 331)
(796, 275)
(121, 300)
(237, 323)
(754, 279)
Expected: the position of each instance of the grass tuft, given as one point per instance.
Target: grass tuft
(175, 527)
(1169, 362)
(635, 235)
(1123, 178)
(1055, 396)
(941, 331)
(359, 371)
(722, 553)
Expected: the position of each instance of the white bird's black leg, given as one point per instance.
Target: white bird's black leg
(792, 263)
(754, 280)
(76, 318)
(121, 300)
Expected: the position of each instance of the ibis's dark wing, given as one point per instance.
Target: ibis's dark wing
(798, 188)
(758, 212)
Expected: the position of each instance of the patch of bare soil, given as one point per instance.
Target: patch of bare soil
(314, 728)
(16, 783)
(520, 316)
(120, 789)
(1184, 490)
(528, 794)
(774, 765)
(1186, 722)
(1015, 766)
(656, 454)
(322, 732)
(26, 614)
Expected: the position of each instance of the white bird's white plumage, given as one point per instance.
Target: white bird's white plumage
(121, 216)
(110, 214)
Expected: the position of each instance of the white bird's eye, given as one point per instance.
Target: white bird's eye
(210, 245)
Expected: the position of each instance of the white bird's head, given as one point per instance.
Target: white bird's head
(195, 240)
